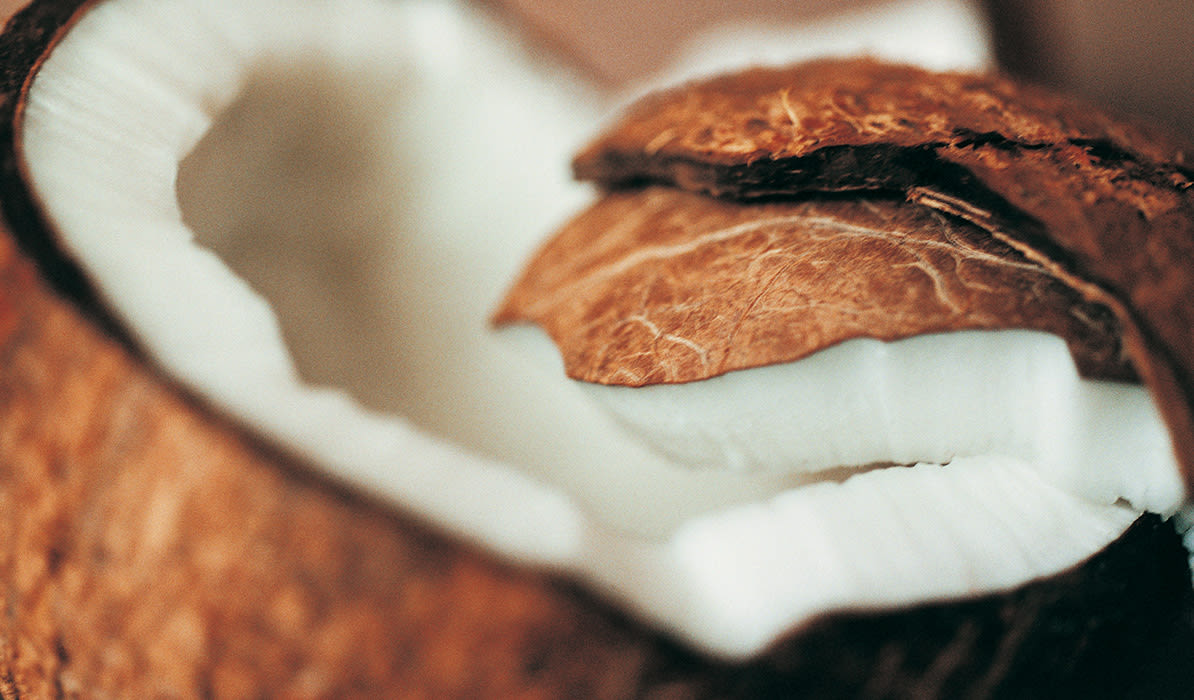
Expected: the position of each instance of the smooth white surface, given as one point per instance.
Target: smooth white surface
(490, 442)
(735, 580)
(931, 398)
(936, 34)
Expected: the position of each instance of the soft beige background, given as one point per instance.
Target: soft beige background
(1137, 57)
(1133, 56)
(625, 40)
(7, 7)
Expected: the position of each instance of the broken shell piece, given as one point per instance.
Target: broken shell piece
(660, 286)
(682, 292)
(1105, 205)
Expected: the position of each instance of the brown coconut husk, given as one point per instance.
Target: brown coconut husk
(1105, 205)
(659, 285)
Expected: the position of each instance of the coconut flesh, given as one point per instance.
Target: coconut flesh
(215, 167)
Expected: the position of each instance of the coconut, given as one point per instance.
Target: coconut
(191, 511)
(1102, 204)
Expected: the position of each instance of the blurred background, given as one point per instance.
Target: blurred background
(1133, 57)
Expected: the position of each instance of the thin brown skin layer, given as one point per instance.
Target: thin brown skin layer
(151, 548)
(1105, 205)
(659, 285)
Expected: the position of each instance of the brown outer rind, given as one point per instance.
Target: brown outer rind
(152, 549)
(1106, 205)
(658, 285)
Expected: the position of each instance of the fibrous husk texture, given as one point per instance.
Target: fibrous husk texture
(150, 548)
(1104, 206)
(661, 285)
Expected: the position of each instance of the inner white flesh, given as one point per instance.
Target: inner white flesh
(931, 398)
(378, 171)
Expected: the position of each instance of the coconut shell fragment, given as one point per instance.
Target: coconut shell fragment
(1104, 205)
(659, 285)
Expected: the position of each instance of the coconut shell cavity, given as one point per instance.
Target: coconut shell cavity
(198, 499)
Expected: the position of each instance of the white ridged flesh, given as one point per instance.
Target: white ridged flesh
(480, 434)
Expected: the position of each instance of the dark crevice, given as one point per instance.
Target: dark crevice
(1106, 150)
(60, 651)
(54, 559)
(866, 168)
(967, 138)
(8, 686)
(872, 171)
(1112, 155)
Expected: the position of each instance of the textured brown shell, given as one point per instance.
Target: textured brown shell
(661, 285)
(150, 548)
(1106, 206)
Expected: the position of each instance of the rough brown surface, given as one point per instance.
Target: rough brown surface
(661, 285)
(761, 115)
(1106, 205)
(151, 549)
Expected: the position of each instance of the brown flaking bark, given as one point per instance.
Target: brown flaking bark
(1106, 205)
(660, 285)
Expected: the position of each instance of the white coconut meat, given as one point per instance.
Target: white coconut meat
(931, 398)
(378, 171)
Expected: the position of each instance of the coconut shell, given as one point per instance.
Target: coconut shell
(152, 548)
(1105, 205)
(661, 285)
